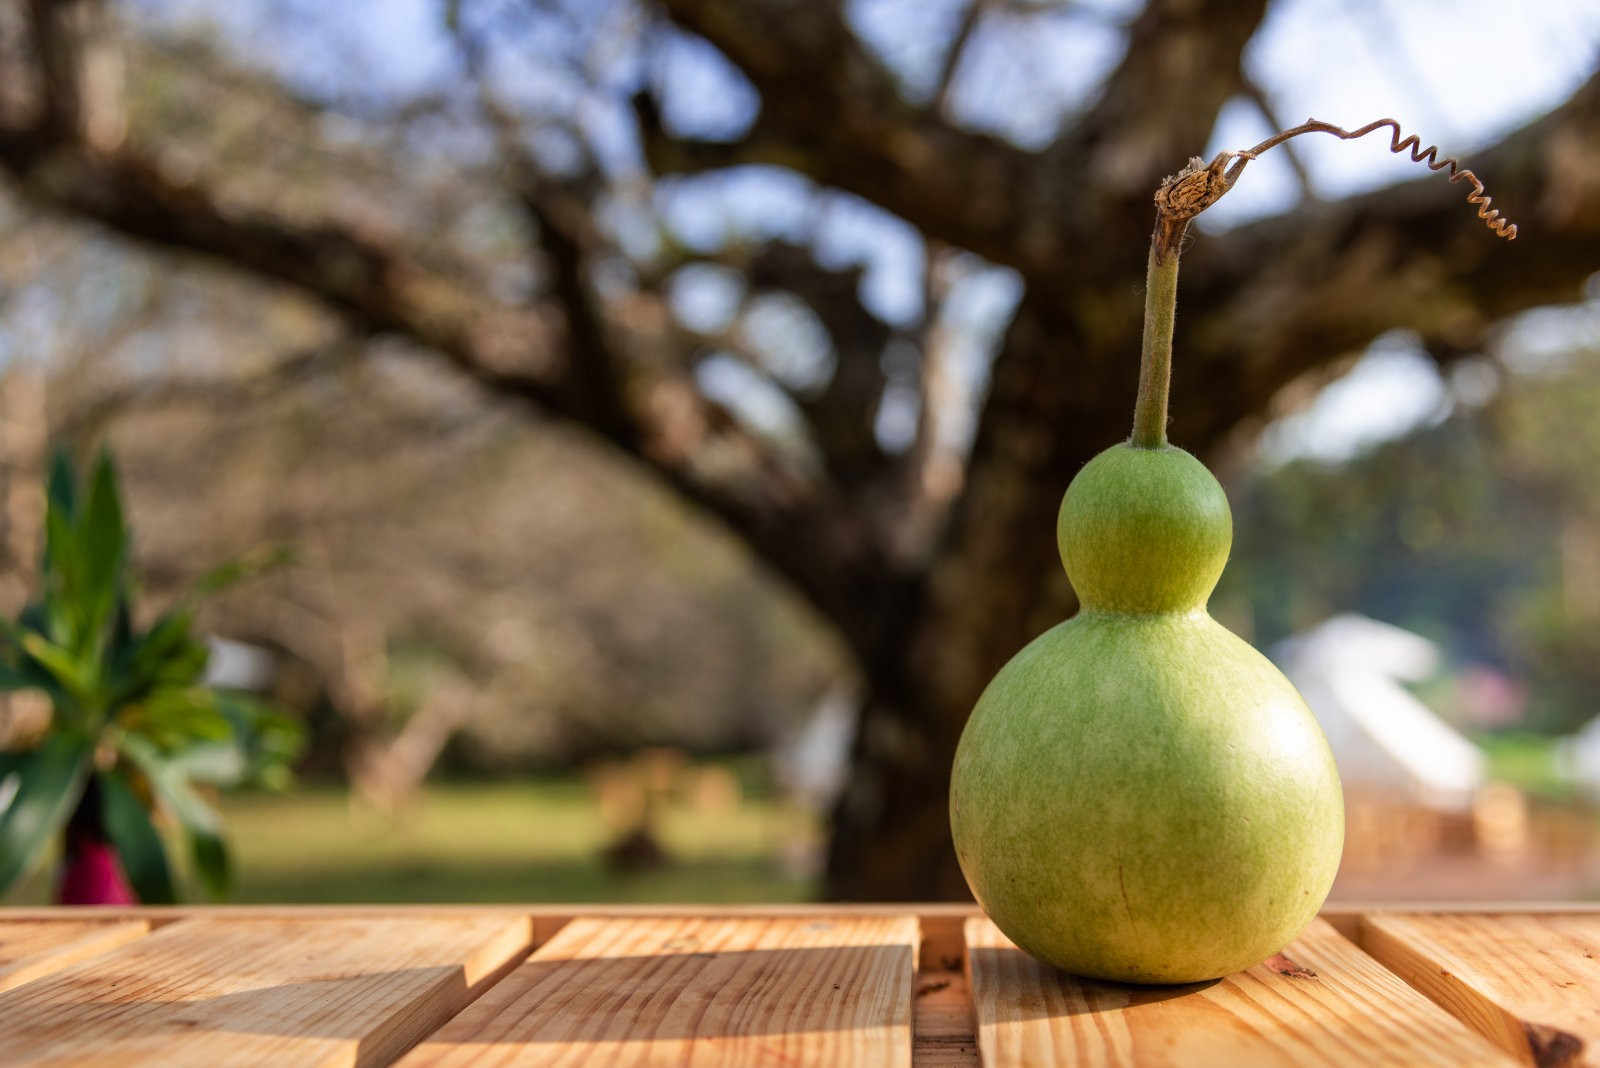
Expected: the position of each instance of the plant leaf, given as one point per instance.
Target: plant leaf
(50, 782)
(102, 545)
(61, 491)
(63, 580)
(166, 651)
(246, 566)
(270, 741)
(176, 717)
(200, 821)
(217, 763)
(74, 677)
(168, 781)
(144, 857)
(14, 678)
(211, 862)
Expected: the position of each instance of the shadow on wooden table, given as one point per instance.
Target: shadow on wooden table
(1042, 990)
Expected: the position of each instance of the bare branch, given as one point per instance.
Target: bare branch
(375, 286)
(629, 381)
(832, 112)
(1181, 66)
(669, 154)
(56, 28)
(945, 82)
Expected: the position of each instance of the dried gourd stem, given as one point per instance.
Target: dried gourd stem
(1155, 360)
(1193, 190)
(1180, 198)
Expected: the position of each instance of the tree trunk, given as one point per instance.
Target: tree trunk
(997, 584)
(388, 772)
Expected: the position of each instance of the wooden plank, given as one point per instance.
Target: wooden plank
(32, 948)
(553, 911)
(933, 914)
(1345, 916)
(697, 991)
(1530, 983)
(1321, 1002)
(261, 991)
(943, 1031)
(941, 921)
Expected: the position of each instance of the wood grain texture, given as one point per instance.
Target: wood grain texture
(943, 1031)
(1321, 1002)
(1530, 983)
(941, 921)
(697, 991)
(33, 948)
(260, 991)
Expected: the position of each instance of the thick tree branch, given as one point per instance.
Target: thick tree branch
(376, 287)
(559, 364)
(629, 382)
(841, 414)
(516, 353)
(1181, 66)
(56, 27)
(801, 526)
(830, 110)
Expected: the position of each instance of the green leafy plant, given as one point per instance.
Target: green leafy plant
(133, 727)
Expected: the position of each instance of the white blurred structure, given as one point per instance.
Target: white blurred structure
(812, 760)
(1579, 758)
(239, 665)
(1350, 670)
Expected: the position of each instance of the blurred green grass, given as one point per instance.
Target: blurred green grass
(533, 840)
(1529, 762)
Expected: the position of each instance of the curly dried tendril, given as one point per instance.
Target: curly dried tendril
(1199, 185)
(1194, 189)
(1491, 216)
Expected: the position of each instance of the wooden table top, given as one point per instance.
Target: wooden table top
(826, 985)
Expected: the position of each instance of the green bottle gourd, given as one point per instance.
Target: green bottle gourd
(1139, 795)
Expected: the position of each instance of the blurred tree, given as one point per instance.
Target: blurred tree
(910, 505)
(1422, 538)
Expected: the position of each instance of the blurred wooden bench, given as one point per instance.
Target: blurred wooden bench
(863, 985)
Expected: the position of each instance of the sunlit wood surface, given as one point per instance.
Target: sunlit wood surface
(874, 985)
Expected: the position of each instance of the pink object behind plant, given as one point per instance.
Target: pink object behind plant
(94, 877)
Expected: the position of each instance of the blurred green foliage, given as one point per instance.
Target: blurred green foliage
(129, 708)
(1481, 532)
